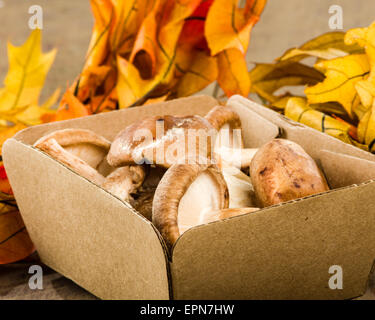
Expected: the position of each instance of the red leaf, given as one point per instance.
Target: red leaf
(193, 31)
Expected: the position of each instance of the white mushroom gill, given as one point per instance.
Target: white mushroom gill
(202, 197)
(241, 191)
(89, 153)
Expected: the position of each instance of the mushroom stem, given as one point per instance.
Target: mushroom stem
(56, 151)
(221, 115)
(124, 181)
(234, 157)
(68, 137)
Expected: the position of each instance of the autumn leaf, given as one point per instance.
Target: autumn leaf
(98, 50)
(202, 72)
(143, 54)
(364, 37)
(268, 78)
(228, 26)
(28, 68)
(70, 108)
(327, 46)
(15, 243)
(298, 110)
(160, 48)
(130, 85)
(233, 76)
(192, 33)
(366, 128)
(6, 192)
(340, 97)
(341, 76)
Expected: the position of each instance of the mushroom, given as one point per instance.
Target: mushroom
(184, 195)
(143, 198)
(81, 150)
(124, 181)
(239, 158)
(162, 141)
(227, 213)
(142, 203)
(228, 124)
(282, 171)
(240, 187)
(229, 149)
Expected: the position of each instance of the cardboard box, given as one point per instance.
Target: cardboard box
(280, 252)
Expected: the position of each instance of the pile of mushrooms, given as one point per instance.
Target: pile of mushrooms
(180, 191)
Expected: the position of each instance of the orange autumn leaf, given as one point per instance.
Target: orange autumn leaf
(132, 89)
(143, 55)
(15, 243)
(233, 75)
(70, 108)
(103, 14)
(8, 132)
(229, 26)
(202, 72)
(104, 103)
(151, 49)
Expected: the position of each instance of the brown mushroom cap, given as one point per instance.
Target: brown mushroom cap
(138, 143)
(224, 115)
(282, 171)
(82, 150)
(184, 195)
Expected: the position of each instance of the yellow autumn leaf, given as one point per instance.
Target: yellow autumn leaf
(341, 76)
(130, 86)
(330, 108)
(280, 103)
(268, 78)
(298, 110)
(365, 37)
(28, 68)
(327, 46)
(366, 92)
(366, 128)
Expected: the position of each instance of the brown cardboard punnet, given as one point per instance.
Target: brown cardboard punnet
(280, 252)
